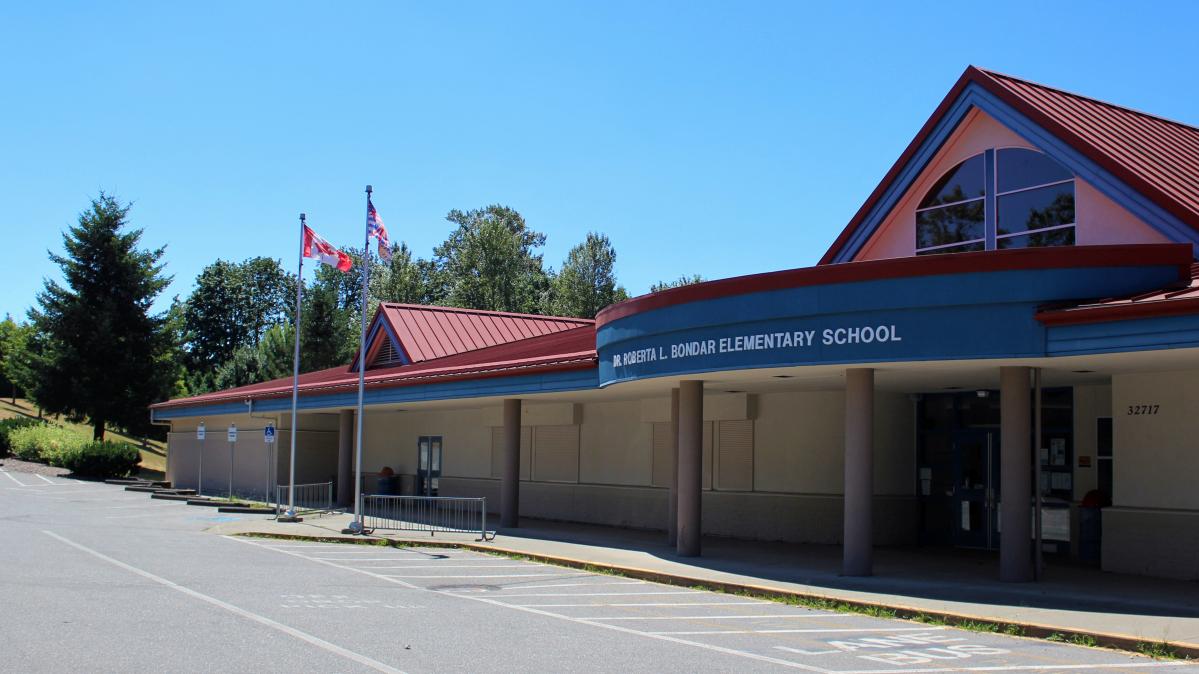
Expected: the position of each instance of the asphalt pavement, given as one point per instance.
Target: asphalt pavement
(93, 578)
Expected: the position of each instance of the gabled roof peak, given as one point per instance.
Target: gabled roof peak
(1140, 160)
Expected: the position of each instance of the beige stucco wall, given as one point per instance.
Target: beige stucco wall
(797, 455)
(316, 458)
(1091, 402)
(1153, 526)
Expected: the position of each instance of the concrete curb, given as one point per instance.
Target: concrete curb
(1117, 641)
(249, 510)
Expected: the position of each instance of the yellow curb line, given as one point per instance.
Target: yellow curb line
(1114, 640)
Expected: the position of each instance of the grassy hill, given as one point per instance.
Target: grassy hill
(154, 452)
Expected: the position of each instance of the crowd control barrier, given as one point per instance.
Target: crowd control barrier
(425, 513)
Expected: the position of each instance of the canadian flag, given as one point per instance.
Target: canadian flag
(317, 248)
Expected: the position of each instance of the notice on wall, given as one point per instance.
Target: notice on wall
(795, 340)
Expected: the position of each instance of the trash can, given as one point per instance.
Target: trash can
(386, 485)
(1090, 527)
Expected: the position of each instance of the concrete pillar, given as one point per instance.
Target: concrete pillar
(510, 480)
(690, 467)
(345, 458)
(1015, 483)
(672, 516)
(857, 550)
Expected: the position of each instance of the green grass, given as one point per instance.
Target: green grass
(153, 454)
(1158, 650)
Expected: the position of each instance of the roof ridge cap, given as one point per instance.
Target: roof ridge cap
(487, 312)
(994, 74)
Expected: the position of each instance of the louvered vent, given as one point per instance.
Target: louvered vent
(387, 355)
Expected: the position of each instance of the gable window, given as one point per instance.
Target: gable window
(1005, 198)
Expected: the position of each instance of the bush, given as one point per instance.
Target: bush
(9, 425)
(43, 442)
(98, 459)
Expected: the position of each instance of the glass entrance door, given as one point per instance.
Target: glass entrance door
(428, 465)
(976, 487)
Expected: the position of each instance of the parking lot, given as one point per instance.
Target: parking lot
(134, 584)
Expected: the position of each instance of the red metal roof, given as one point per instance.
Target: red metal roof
(564, 349)
(1111, 256)
(1174, 301)
(1155, 156)
(427, 332)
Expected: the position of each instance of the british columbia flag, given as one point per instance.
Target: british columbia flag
(375, 228)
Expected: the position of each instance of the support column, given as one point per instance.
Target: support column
(858, 538)
(510, 481)
(1015, 485)
(690, 467)
(672, 516)
(345, 458)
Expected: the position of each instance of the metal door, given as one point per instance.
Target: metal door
(976, 488)
(428, 465)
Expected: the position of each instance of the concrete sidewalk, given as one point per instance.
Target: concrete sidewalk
(957, 585)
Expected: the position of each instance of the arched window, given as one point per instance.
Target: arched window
(1005, 198)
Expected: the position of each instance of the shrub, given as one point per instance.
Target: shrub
(98, 459)
(43, 442)
(9, 425)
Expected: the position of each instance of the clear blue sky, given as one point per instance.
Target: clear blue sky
(719, 139)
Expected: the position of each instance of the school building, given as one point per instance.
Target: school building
(1029, 244)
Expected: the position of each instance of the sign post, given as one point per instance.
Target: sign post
(200, 462)
(268, 438)
(232, 440)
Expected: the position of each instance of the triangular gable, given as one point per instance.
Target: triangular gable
(418, 333)
(1089, 137)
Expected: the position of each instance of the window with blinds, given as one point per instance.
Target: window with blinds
(735, 455)
(556, 453)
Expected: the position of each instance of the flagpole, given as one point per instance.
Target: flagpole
(356, 526)
(295, 386)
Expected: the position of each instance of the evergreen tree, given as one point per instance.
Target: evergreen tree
(328, 329)
(104, 356)
(587, 282)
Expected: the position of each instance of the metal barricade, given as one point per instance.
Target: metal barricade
(425, 513)
(310, 498)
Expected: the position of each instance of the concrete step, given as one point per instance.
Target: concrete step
(142, 488)
(168, 497)
(215, 503)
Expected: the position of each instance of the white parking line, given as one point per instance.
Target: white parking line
(1023, 668)
(587, 594)
(9, 476)
(615, 628)
(635, 604)
(721, 617)
(262, 620)
(810, 631)
(489, 575)
(534, 587)
(449, 565)
(46, 479)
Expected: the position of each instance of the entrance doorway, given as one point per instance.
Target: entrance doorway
(976, 486)
(428, 465)
(958, 459)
